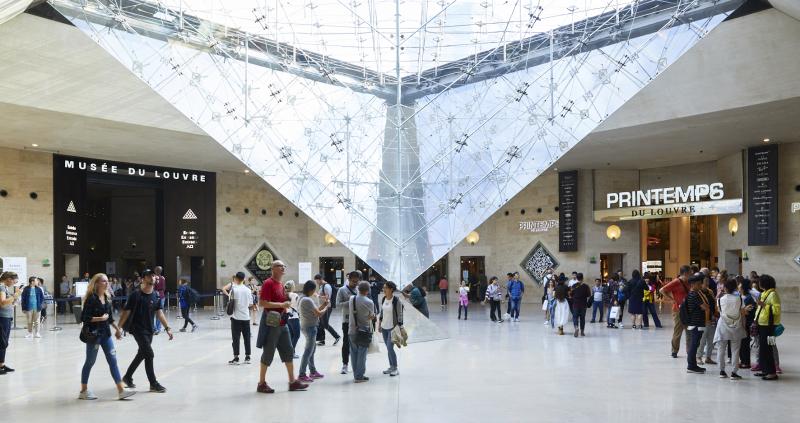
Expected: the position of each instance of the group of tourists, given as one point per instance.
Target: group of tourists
(739, 316)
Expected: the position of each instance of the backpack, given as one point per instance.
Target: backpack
(192, 296)
(683, 311)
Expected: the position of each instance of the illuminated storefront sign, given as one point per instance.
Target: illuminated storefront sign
(656, 203)
(795, 207)
(538, 225)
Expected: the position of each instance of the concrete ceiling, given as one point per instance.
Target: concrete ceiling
(59, 90)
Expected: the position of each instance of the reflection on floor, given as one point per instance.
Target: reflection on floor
(483, 371)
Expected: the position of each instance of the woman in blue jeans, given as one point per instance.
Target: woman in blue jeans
(97, 317)
(391, 316)
(309, 320)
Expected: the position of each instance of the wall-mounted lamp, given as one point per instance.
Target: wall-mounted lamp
(733, 226)
(330, 239)
(613, 232)
(473, 238)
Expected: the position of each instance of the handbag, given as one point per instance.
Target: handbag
(273, 318)
(614, 313)
(231, 307)
(87, 336)
(363, 336)
(544, 305)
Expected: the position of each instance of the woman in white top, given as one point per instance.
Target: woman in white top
(391, 316)
(293, 321)
(254, 289)
(240, 319)
(730, 328)
(309, 322)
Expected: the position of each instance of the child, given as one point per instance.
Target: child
(463, 300)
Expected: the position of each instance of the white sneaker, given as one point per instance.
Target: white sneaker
(37, 335)
(388, 371)
(344, 369)
(29, 336)
(126, 394)
(394, 372)
(546, 323)
(86, 395)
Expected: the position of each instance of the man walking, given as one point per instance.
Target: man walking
(325, 292)
(161, 290)
(142, 307)
(273, 334)
(516, 289)
(362, 315)
(342, 300)
(677, 290)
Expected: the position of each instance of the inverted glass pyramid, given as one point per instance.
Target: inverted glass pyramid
(398, 126)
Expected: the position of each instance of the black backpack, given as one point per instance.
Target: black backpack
(683, 311)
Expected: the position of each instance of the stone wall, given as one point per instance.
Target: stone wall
(240, 234)
(26, 225)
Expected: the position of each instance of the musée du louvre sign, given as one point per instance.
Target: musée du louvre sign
(114, 168)
(657, 203)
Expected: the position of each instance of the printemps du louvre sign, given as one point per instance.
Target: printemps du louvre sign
(657, 203)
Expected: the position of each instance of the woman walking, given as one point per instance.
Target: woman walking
(32, 305)
(636, 288)
(463, 300)
(309, 321)
(730, 328)
(391, 306)
(561, 314)
(768, 316)
(97, 317)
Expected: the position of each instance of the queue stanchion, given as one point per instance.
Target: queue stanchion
(217, 302)
(56, 327)
(178, 315)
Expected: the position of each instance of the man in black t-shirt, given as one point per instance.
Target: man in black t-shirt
(580, 293)
(137, 319)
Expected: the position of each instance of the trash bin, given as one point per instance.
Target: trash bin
(77, 310)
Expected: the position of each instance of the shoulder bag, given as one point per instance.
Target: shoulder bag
(231, 303)
(87, 335)
(363, 335)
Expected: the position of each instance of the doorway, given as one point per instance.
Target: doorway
(473, 272)
(332, 270)
(610, 264)
(733, 262)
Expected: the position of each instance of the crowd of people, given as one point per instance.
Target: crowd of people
(725, 319)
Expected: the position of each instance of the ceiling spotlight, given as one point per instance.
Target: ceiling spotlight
(34, 145)
(766, 139)
(247, 171)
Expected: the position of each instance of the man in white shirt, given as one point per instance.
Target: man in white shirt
(242, 297)
(573, 280)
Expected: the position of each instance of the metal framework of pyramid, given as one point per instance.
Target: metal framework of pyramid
(398, 126)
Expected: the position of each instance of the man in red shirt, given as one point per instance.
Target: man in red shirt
(443, 291)
(677, 290)
(275, 334)
(160, 288)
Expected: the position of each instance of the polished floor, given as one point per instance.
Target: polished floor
(481, 371)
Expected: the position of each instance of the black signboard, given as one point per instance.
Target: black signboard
(568, 211)
(762, 195)
(260, 265)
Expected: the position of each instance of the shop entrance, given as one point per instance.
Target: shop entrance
(610, 264)
(332, 270)
(671, 243)
(473, 272)
(430, 278)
